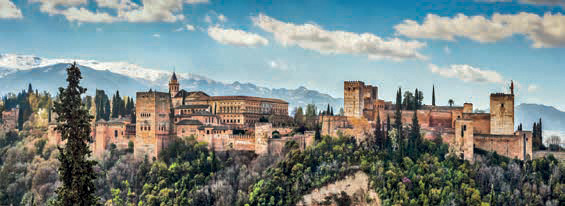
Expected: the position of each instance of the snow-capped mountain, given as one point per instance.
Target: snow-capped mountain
(10, 63)
(16, 71)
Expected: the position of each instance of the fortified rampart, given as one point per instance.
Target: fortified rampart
(458, 126)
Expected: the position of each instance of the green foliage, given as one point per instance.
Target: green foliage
(76, 172)
(301, 171)
(39, 145)
(187, 165)
(102, 104)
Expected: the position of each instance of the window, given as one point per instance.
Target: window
(502, 105)
(115, 133)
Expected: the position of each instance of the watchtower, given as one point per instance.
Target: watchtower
(353, 93)
(174, 85)
(502, 112)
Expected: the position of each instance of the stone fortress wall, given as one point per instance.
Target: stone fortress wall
(458, 126)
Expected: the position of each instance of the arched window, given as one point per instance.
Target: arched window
(115, 133)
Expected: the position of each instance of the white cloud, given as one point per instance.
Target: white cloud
(126, 10)
(447, 50)
(155, 11)
(116, 4)
(314, 37)
(84, 15)
(189, 27)
(53, 7)
(278, 65)
(215, 18)
(532, 2)
(186, 27)
(236, 37)
(222, 18)
(532, 88)
(156, 35)
(197, 1)
(8, 10)
(545, 31)
(208, 19)
(468, 73)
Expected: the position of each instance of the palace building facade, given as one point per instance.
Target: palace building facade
(162, 116)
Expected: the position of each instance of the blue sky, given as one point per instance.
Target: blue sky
(466, 48)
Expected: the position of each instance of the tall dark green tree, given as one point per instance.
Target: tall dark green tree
(415, 137)
(102, 105)
(379, 138)
(29, 89)
(398, 122)
(76, 171)
(118, 106)
(398, 113)
(388, 125)
(434, 95)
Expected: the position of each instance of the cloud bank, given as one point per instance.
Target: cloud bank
(314, 37)
(8, 10)
(236, 37)
(544, 31)
(468, 73)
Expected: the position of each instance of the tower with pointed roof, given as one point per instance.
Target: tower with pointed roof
(174, 85)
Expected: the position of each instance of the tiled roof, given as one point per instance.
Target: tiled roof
(189, 122)
(193, 106)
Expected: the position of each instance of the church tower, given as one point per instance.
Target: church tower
(174, 85)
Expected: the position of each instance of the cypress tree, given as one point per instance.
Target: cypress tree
(434, 95)
(414, 140)
(29, 89)
(398, 113)
(76, 172)
(540, 132)
(388, 123)
(398, 121)
(379, 140)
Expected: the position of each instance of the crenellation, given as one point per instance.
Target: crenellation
(361, 101)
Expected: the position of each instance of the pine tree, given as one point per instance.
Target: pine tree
(434, 95)
(76, 172)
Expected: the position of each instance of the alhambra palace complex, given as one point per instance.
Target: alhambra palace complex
(233, 122)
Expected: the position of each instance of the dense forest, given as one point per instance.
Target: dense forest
(404, 168)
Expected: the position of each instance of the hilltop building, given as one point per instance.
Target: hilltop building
(224, 122)
(464, 130)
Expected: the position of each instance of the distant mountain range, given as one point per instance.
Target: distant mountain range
(16, 71)
(552, 118)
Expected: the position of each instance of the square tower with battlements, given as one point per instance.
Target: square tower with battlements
(501, 113)
(353, 98)
(154, 125)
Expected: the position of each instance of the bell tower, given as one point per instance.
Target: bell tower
(174, 85)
